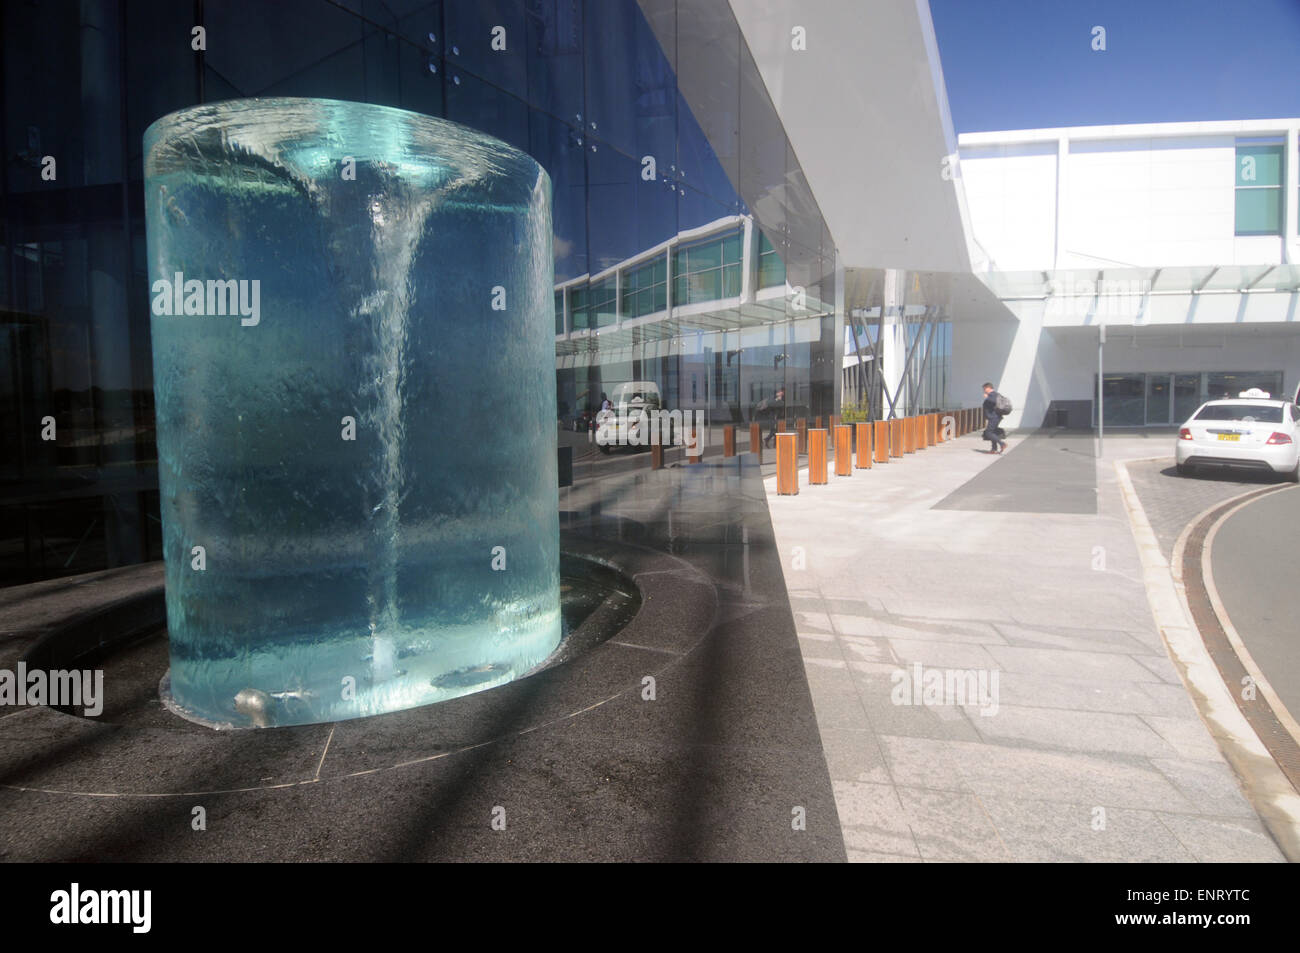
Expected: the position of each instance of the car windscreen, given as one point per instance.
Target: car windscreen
(1265, 415)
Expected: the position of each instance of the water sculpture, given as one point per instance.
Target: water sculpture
(353, 361)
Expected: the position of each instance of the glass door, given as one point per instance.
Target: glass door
(1158, 399)
(1187, 396)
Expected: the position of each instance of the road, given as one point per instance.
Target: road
(1255, 573)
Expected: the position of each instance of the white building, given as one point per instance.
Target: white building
(1014, 248)
(1180, 238)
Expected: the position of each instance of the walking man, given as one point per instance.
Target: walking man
(772, 408)
(995, 408)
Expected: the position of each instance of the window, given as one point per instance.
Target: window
(559, 312)
(1261, 413)
(707, 270)
(1259, 188)
(645, 288)
(592, 306)
(771, 269)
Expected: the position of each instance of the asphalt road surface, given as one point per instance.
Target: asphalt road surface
(1256, 564)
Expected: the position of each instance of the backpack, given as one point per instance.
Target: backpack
(1002, 405)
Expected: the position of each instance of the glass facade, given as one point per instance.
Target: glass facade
(688, 247)
(1168, 399)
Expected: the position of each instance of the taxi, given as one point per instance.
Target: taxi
(1251, 430)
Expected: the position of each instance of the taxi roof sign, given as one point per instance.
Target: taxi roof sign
(1255, 393)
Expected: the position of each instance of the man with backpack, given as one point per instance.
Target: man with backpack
(996, 406)
(769, 409)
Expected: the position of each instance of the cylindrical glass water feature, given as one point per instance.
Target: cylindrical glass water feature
(354, 371)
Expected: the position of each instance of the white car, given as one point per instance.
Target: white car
(1250, 431)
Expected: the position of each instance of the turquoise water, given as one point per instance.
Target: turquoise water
(347, 577)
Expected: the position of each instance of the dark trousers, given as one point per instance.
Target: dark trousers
(771, 431)
(991, 427)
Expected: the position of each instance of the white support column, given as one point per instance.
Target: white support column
(1062, 186)
(1290, 240)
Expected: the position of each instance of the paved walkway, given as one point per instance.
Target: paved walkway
(1083, 744)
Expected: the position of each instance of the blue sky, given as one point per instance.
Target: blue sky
(1023, 64)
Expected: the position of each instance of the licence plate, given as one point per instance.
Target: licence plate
(1229, 436)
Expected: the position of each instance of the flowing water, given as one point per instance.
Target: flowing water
(367, 456)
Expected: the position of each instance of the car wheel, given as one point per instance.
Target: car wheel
(1293, 475)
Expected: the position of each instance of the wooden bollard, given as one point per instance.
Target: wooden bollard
(656, 456)
(819, 422)
(843, 450)
(835, 421)
(938, 428)
(801, 428)
(881, 438)
(896, 437)
(787, 464)
(728, 441)
(756, 439)
(816, 456)
(932, 432)
(864, 447)
(908, 427)
(693, 441)
(780, 425)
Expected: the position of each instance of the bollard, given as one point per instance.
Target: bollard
(835, 421)
(843, 450)
(932, 431)
(896, 437)
(909, 435)
(801, 428)
(694, 446)
(780, 425)
(819, 422)
(729, 441)
(864, 446)
(656, 456)
(756, 440)
(816, 456)
(787, 464)
(880, 436)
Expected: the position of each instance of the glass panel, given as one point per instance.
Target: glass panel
(555, 57)
(631, 91)
(1259, 165)
(559, 149)
(1259, 211)
(487, 38)
(1157, 398)
(708, 73)
(1187, 395)
(1221, 384)
(1125, 400)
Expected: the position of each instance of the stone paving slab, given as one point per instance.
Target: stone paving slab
(1093, 751)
